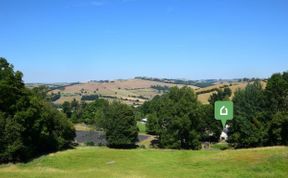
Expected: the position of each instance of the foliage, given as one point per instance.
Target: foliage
(249, 125)
(160, 88)
(152, 125)
(120, 126)
(141, 127)
(29, 125)
(221, 94)
(278, 129)
(89, 97)
(175, 117)
(55, 97)
(93, 113)
(210, 128)
(277, 93)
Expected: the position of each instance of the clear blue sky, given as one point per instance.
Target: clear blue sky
(81, 40)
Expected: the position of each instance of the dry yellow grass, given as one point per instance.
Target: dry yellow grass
(131, 91)
(127, 91)
(203, 98)
(83, 127)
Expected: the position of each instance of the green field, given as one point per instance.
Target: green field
(141, 127)
(104, 162)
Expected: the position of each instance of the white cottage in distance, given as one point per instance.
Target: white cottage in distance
(224, 134)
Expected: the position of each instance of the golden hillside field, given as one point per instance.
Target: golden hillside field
(134, 91)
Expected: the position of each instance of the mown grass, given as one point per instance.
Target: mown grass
(104, 162)
(142, 127)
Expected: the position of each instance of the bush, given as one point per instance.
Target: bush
(89, 97)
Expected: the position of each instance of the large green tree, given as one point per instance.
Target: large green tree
(249, 126)
(120, 126)
(277, 93)
(278, 129)
(176, 118)
(210, 128)
(277, 105)
(94, 113)
(29, 125)
(179, 119)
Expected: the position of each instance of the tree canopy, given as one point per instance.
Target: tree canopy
(179, 120)
(29, 125)
(120, 126)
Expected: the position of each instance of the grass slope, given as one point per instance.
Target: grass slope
(104, 162)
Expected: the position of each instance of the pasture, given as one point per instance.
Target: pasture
(104, 162)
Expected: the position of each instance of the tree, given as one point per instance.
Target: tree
(277, 105)
(152, 125)
(249, 126)
(277, 92)
(221, 94)
(176, 118)
(93, 113)
(179, 119)
(278, 129)
(41, 91)
(120, 126)
(210, 128)
(29, 125)
(66, 107)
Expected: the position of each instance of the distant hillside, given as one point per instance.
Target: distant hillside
(134, 91)
(198, 83)
(137, 91)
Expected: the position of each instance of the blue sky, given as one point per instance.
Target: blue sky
(81, 40)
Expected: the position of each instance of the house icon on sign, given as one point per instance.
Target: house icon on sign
(223, 111)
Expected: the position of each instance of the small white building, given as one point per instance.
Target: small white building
(224, 134)
(144, 120)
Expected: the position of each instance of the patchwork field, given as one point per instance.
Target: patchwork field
(104, 162)
(134, 91)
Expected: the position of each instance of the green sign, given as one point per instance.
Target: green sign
(224, 111)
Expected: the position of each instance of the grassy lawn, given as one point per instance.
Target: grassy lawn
(104, 162)
(84, 127)
(141, 127)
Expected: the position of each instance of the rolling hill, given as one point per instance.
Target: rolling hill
(136, 91)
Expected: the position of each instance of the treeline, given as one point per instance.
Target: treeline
(55, 96)
(161, 88)
(89, 97)
(180, 121)
(212, 89)
(201, 84)
(60, 87)
(29, 125)
(261, 115)
(117, 120)
(260, 119)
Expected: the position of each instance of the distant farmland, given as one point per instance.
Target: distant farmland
(135, 91)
